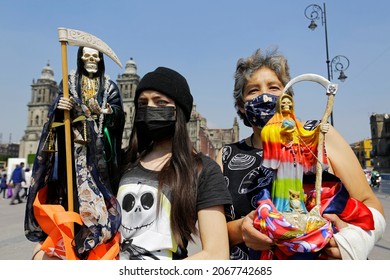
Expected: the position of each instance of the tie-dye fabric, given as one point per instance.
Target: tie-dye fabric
(288, 238)
(294, 243)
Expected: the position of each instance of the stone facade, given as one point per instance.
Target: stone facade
(127, 83)
(9, 150)
(380, 136)
(44, 91)
(363, 151)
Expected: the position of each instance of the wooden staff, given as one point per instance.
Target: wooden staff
(68, 144)
(320, 148)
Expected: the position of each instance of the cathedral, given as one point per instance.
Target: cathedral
(44, 90)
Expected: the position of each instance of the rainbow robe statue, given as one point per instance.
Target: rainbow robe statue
(291, 151)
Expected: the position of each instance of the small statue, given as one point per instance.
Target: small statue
(290, 150)
(292, 213)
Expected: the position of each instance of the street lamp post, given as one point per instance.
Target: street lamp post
(315, 12)
(340, 63)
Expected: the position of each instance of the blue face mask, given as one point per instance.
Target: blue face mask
(260, 109)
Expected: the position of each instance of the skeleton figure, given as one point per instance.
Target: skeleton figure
(96, 110)
(290, 150)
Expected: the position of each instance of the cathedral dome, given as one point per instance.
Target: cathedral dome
(131, 67)
(47, 73)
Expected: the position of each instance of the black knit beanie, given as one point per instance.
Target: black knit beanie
(170, 83)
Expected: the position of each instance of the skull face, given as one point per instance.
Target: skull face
(286, 105)
(143, 228)
(91, 59)
(138, 209)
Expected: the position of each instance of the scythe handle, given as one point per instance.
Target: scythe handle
(320, 149)
(67, 124)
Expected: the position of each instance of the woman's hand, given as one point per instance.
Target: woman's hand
(332, 249)
(253, 238)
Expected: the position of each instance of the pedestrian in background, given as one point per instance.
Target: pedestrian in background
(17, 178)
(3, 185)
(26, 185)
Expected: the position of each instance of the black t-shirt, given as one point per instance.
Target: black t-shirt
(212, 190)
(147, 236)
(244, 178)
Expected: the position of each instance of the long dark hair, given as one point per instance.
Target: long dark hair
(180, 173)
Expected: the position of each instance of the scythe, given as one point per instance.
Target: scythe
(82, 39)
(331, 90)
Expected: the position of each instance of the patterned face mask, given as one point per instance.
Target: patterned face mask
(260, 109)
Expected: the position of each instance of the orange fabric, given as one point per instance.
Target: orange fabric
(57, 224)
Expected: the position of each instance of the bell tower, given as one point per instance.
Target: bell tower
(43, 93)
(127, 83)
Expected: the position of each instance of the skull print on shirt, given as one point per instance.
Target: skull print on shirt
(145, 229)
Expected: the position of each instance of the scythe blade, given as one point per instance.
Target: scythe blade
(80, 38)
(331, 88)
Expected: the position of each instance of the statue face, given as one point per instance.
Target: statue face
(91, 59)
(286, 105)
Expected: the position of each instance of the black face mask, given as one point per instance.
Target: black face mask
(155, 123)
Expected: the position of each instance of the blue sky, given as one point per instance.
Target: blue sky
(203, 40)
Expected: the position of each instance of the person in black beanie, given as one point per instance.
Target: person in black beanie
(166, 186)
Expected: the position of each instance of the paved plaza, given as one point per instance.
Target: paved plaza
(15, 246)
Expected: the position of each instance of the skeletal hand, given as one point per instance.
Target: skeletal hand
(94, 106)
(324, 127)
(108, 110)
(65, 103)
